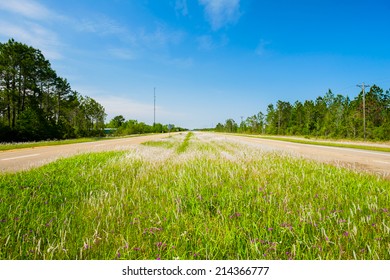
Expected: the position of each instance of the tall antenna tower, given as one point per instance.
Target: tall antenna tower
(363, 87)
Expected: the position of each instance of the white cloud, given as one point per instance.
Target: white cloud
(25, 21)
(26, 8)
(132, 109)
(221, 12)
(35, 35)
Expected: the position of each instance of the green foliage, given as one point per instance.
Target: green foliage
(36, 104)
(329, 116)
(129, 127)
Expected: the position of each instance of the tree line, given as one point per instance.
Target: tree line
(37, 104)
(119, 126)
(328, 116)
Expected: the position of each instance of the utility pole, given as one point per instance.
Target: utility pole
(363, 87)
(154, 109)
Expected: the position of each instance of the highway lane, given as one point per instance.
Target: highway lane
(362, 160)
(24, 159)
(371, 161)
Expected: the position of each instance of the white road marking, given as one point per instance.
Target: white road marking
(33, 155)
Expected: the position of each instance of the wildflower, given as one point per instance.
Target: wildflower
(137, 249)
(254, 240)
(270, 229)
(118, 255)
(235, 215)
(345, 233)
(161, 245)
(86, 246)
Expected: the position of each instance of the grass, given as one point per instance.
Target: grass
(323, 143)
(193, 196)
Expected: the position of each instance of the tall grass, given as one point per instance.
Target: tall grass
(210, 199)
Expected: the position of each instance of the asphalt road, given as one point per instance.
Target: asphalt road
(371, 161)
(24, 159)
(362, 160)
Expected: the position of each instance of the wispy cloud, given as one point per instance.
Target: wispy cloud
(133, 109)
(26, 21)
(100, 24)
(26, 8)
(181, 7)
(208, 43)
(261, 48)
(35, 35)
(221, 12)
(161, 37)
(123, 53)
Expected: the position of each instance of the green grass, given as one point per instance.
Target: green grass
(323, 143)
(213, 199)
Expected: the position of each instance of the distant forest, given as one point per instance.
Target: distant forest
(37, 104)
(118, 126)
(329, 116)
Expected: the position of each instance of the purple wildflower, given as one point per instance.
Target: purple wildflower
(235, 215)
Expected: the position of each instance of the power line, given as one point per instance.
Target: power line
(363, 87)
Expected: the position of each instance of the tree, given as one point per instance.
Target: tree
(36, 104)
(116, 122)
(231, 125)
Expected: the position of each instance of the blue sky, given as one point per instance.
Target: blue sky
(209, 60)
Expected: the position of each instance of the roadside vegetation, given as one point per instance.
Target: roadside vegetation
(328, 117)
(193, 196)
